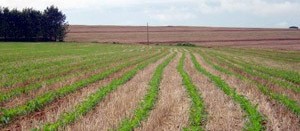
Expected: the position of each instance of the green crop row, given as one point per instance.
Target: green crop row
(82, 70)
(148, 102)
(197, 111)
(262, 73)
(285, 77)
(283, 56)
(47, 70)
(243, 75)
(250, 70)
(92, 100)
(256, 120)
(7, 115)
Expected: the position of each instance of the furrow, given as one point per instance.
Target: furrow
(277, 116)
(197, 116)
(75, 70)
(30, 95)
(117, 105)
(276, 85)
(92, 100)
(172, 109)
(220, 107)
(51, 112)
(149, 100)
(7, 115)
(280, 97)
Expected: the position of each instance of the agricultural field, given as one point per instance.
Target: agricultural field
(267, 38)
(94, 86)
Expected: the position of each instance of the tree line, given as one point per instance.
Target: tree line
(32, 25)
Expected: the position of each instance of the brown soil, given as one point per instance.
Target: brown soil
(278, 117)
(118, 104)
(205, 36)
(223, 112)
(172, 109)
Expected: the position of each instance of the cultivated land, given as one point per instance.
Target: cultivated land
(92, 86)
(285, 39)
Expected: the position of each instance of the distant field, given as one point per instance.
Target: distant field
(92, 86)
(285, 39)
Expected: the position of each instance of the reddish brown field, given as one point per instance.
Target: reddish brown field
(286, 39)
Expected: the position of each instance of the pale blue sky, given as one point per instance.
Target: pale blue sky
(228, 13)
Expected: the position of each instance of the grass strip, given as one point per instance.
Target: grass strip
(39, 102)
(91, 101)
(242, 74)
(197, 111)
(148, 102)
(255, 118)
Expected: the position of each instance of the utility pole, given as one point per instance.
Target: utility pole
(148, 34)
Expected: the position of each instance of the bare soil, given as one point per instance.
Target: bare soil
(285, 39)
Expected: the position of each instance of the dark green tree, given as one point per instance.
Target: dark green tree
(32, 25)
(54, 25)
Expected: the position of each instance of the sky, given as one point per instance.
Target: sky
(220, 13)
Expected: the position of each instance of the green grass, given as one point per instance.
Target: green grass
(148, 101)
(255, 118)
(197, 111)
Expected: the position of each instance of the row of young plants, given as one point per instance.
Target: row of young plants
(54, 63)
(36, 71)
(39, 102)
(16, 76)
(283, 78)
(63, 70)
(91, 101)
(78, 71)
(270, 80)
(40, 63)
(276, 55)
(263, 73)
(149, 100)
(197, 115)
(255, 119)
(244, 75)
